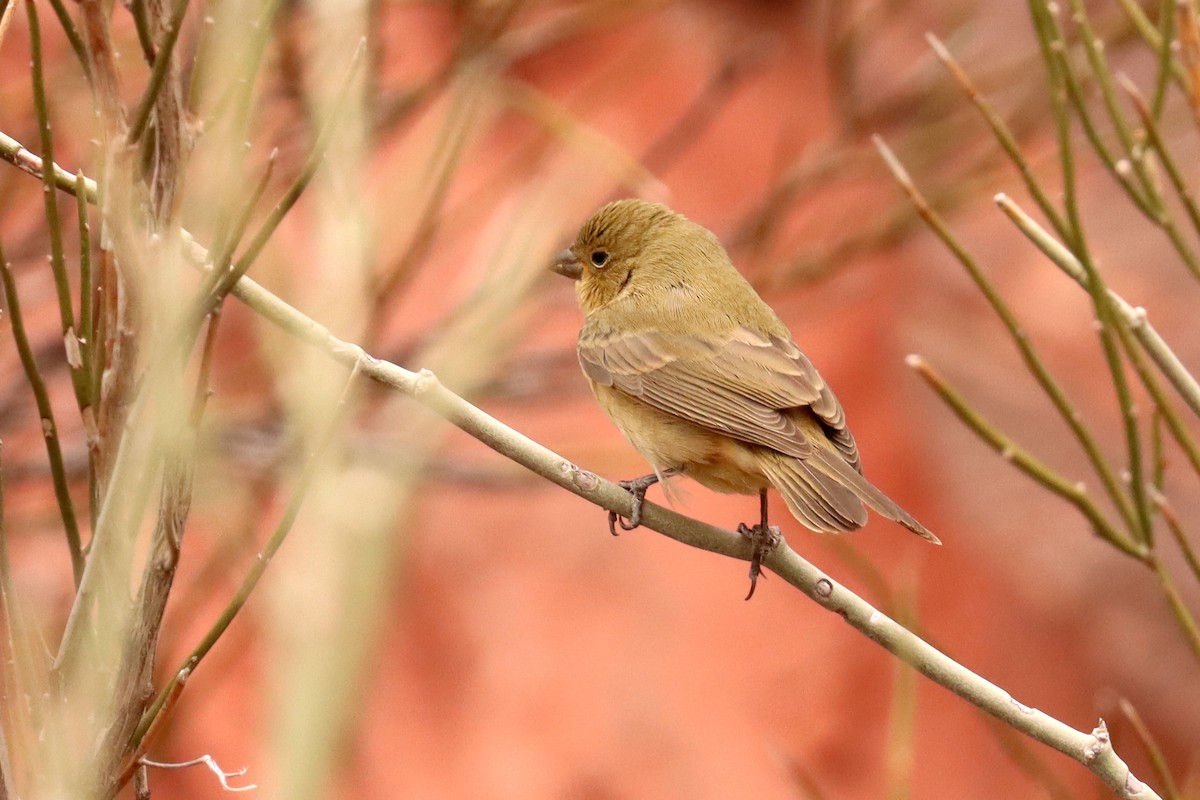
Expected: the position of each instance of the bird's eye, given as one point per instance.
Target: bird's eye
(599, 258)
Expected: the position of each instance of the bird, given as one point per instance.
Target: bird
(704, 379)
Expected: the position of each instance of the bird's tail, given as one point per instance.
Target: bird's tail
(827, 494)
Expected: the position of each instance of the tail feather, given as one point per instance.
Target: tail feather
(819, 502)
(835, 467)
(827, 494)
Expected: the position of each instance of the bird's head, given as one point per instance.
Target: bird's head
(622, 238)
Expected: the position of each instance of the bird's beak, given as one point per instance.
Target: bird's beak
(567, 265)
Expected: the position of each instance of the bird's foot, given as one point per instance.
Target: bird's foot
(765, 539)
(636, 487)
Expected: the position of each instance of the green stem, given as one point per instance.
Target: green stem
(1029, 354)
(162, 60)
(1187, 623)
(1074, 493)
(41, 396)
(62, 283)
(73, 37)
(1003, 135)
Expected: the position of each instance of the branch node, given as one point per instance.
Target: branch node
(824, 588)
(1100, 742)
(585, 480)
(425, 382)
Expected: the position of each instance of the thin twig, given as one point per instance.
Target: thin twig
(1155, 753)
(1001, 132)
(210, 297)
(72, 33)
(285, 203)
(162, 63)
(1183, 615)
(137, 9)
(41, 396)
(1139, 324)
(1154, 38)
(1176, 528)
(1182, 190)
(62, 283)
(213, 767)
(1074, 493)
(171, 696)
(1033, 361)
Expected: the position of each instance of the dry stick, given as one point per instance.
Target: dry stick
(1093, 750)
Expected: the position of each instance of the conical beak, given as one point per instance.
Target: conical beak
(567, 265)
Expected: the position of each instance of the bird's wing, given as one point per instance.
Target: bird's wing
(747, 385)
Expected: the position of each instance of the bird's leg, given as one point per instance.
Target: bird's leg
(764, 537)
(637, 487)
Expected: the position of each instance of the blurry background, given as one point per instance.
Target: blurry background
(442, 624)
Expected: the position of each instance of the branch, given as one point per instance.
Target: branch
(1093, 750)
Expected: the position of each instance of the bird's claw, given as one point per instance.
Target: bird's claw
(765, 539)
(636, 487)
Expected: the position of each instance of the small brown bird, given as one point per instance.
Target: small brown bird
(704, 379)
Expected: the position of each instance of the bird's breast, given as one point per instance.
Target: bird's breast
(715, 460)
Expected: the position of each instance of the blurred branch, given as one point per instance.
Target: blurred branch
(1176, 528)
(72, 33)
(62, 285)
(41, 397)
(7, 601)
(1153, 751)
(156, 713)
(153, 95)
